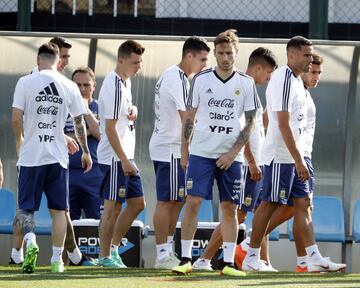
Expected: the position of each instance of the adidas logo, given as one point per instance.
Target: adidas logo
(252, 255)
(209, 91)
(312, 254)
(49, 94)
(162, 250)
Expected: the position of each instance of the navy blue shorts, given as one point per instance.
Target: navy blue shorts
(170, 180)
(52, 179)
(281, 183)
(200, 177)
(84, 190)
(116, 186)
(252, 190)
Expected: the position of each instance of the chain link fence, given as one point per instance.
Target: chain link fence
(340, 11)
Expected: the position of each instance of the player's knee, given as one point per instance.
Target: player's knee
(193, 204)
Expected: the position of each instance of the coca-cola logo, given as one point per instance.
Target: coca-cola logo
(51, 110)
(223, 103)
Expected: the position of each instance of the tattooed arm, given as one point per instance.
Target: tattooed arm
(80, 133)
(226, 159)
(187, 130)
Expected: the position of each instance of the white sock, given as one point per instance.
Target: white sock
(57, 254)
(253, 253)
(313, 253)
(245, 244)
(301, 261)
(75, 256)
(114, 249)
(229, 251)
(17, 255)
(186, 247)
(170, 242)
(30, 238)
(162, 251)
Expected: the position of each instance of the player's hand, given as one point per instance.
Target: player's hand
(132, 113)
(301, 169)
(225, 160)
(129, 168)
(86, 162)
(72, 145)
(255, 171)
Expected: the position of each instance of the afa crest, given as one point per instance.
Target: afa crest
(122, 192)
(189, 184)
(181, 192)
(237, 92)
(248, 201)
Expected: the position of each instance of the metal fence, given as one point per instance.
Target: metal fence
(339, 11)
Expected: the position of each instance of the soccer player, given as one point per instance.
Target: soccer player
(116, 149)
(171, 93)
(41, 104)
(286, 172)
(218, 98)
(84, 189)
(75, 256)
(262, 63)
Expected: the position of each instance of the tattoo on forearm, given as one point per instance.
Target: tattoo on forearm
(80, 133)
(25, 220)
(188, 129)
(70, 243)
(244, 135)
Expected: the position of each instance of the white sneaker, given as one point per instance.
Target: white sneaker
(166, 263)
(201, 264)
(175, 259)
(269, 267)
(325, 265)
(254, 264)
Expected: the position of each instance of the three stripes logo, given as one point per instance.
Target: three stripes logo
(49, 94)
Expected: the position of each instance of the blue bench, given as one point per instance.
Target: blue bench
(328, 220)
(356, 222)
(273, 236)
(7, 211)
(43, 222)
(205, 212)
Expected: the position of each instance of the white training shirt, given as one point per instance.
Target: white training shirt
(310, 125)
(257, 137)
(46, 97)
(115, 100)
(171, 93)
(220, 105)
(285, 92)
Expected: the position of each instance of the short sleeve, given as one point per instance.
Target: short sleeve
(111, 96)
(19, 95)
(194, 95)
(179, 93)
(251, 98)
(77, 105)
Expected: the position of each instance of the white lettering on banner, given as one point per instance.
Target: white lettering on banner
(200, 243)
(221, 129)
(224, 103)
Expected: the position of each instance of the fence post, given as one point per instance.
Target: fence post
(24, 16)
(318, 22)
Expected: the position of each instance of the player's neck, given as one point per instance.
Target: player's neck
(121, 73)
(224, 74)
(295, 71)
(186, 67)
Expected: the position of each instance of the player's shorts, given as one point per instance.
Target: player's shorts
(84, 192)
(170, 180)
(311, 181)
(52, 179)
(116, 186)
(252, 190)
(281, 182)
(200, 177)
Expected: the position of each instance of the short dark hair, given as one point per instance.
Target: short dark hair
(228, 36)
(194, 44)
(85, 70)
(263, 56)
(48, 48)
(61, 42)
(317, 59)
(298, 41)
(128, 47)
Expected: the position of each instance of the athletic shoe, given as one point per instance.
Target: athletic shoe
(116, 257)
(240, 255)
(12, 262)
(254, 264)
(183, 267)
(85, 261)
(175, 259)
(166, 263)
(325, 265)
(230, 270)
(269, 267)
(57, 267)
(201, 264)
(31, 254)
(109, 263)
(301, 269)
